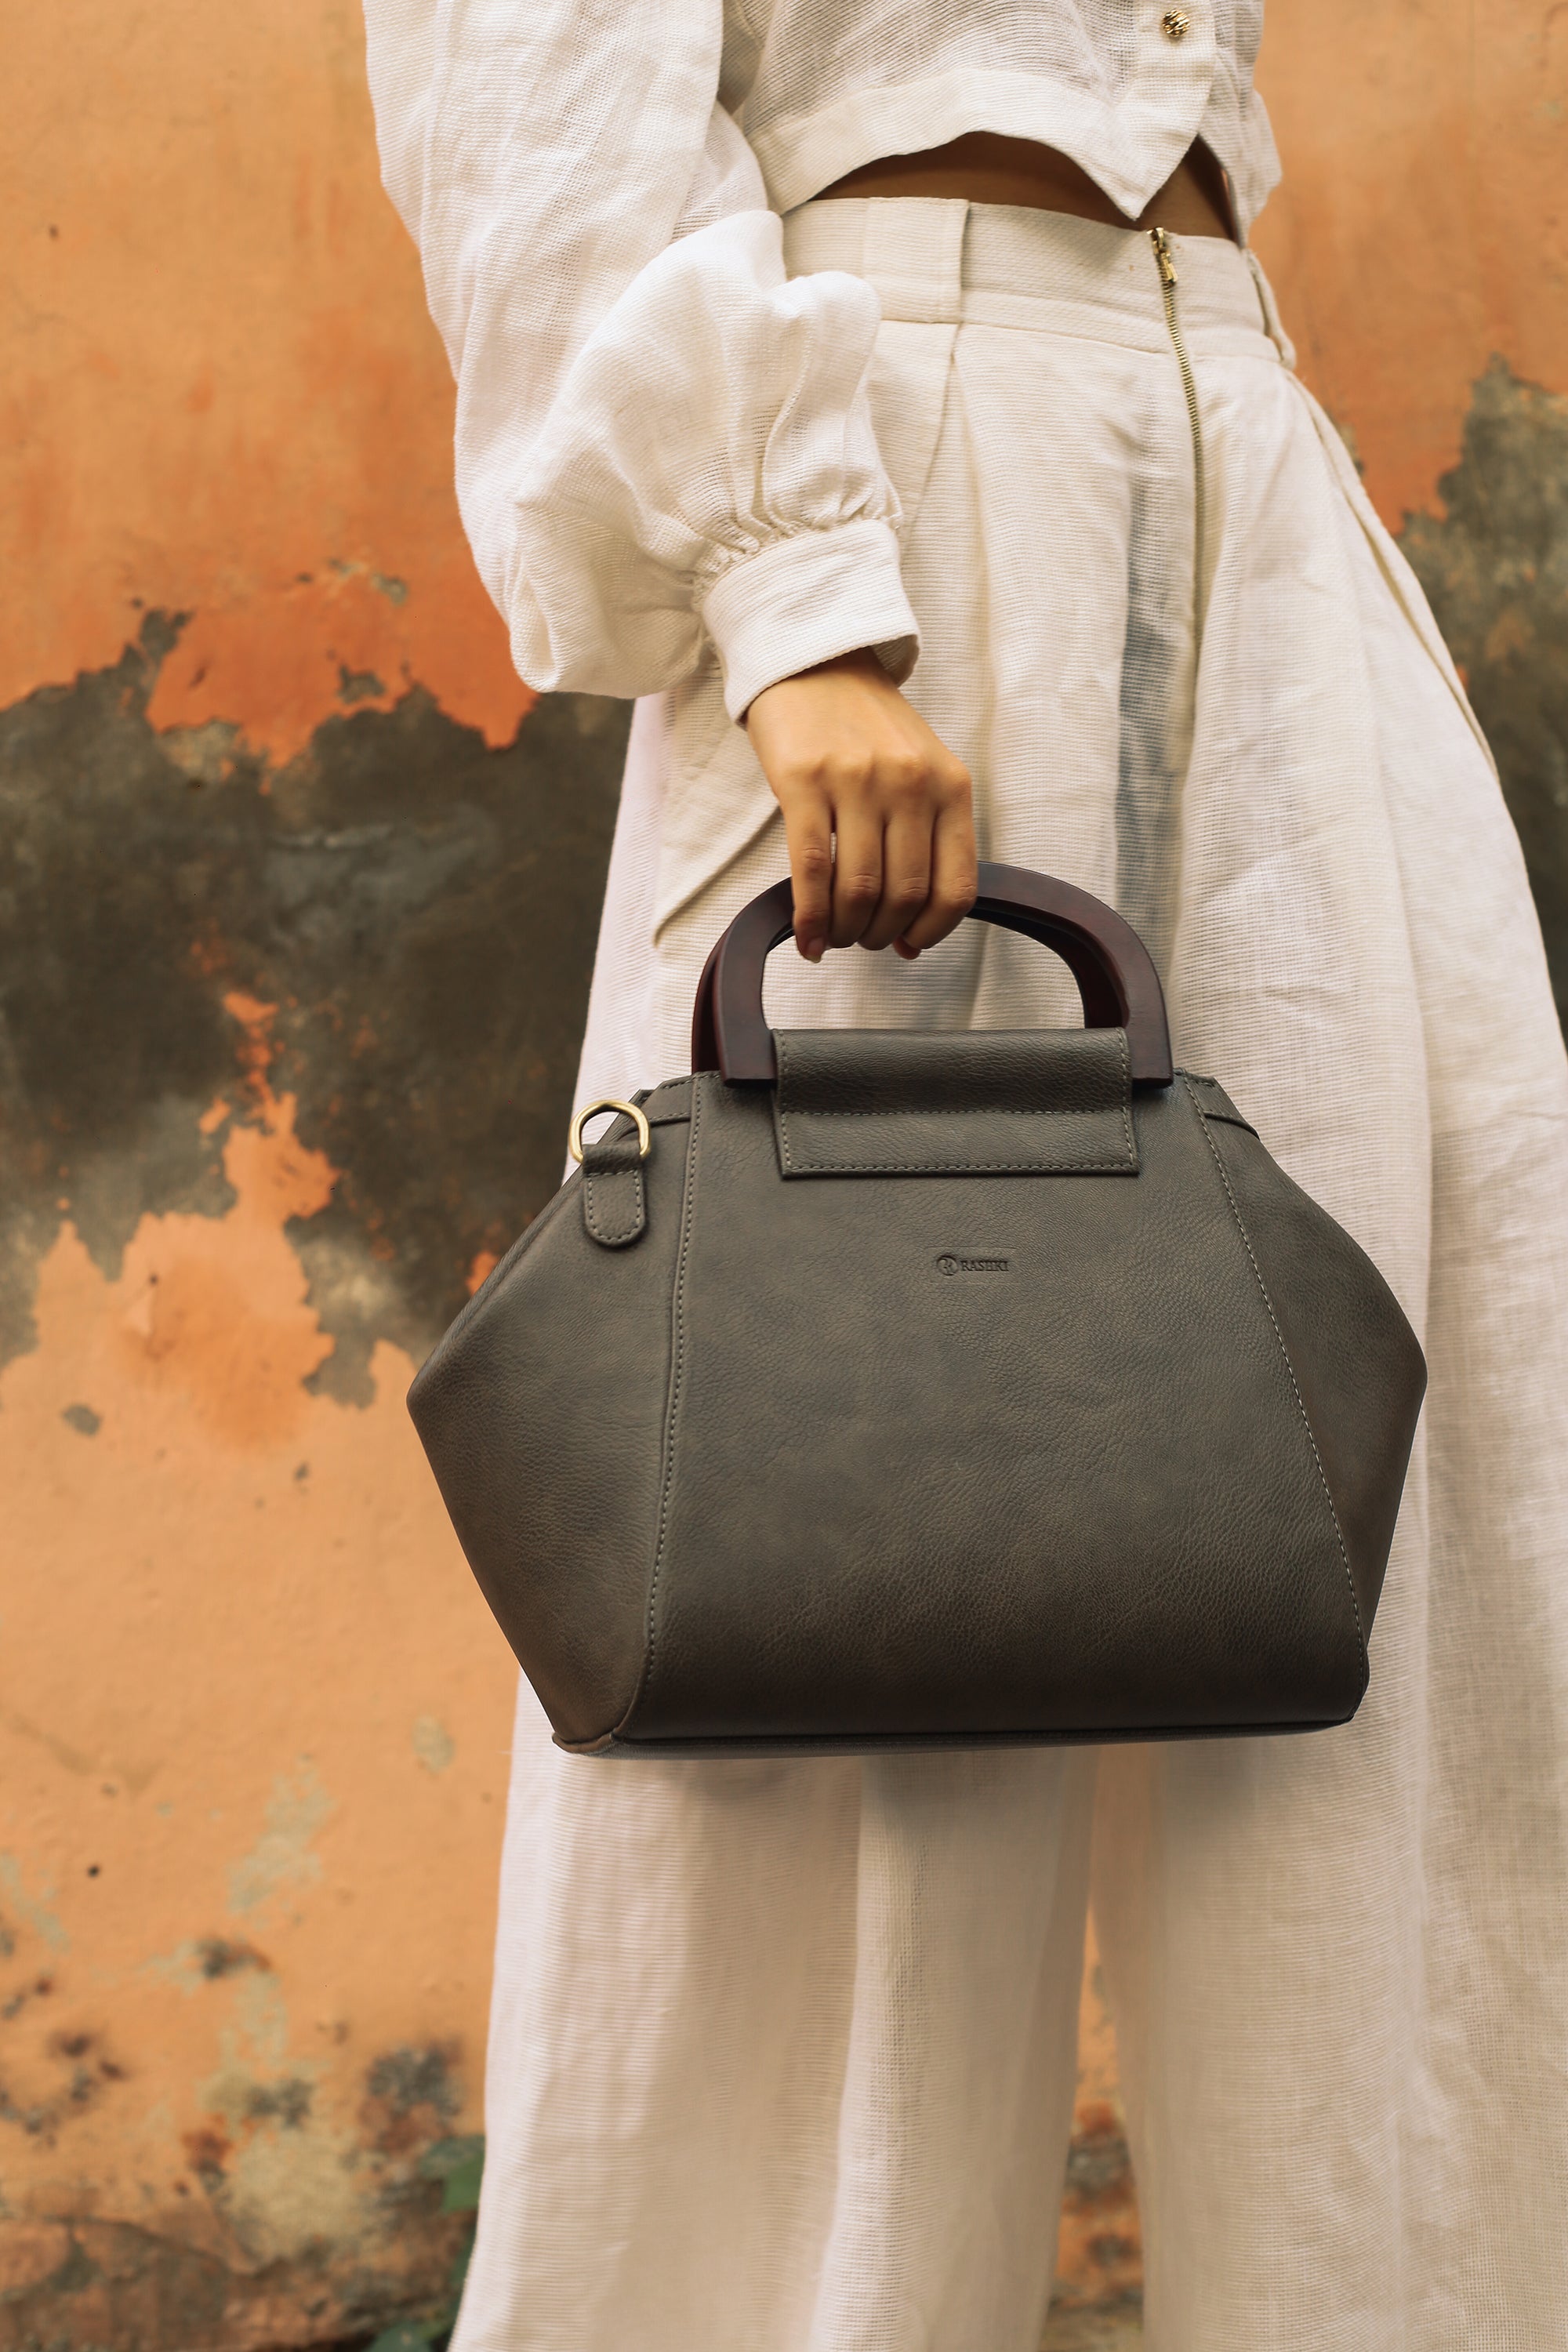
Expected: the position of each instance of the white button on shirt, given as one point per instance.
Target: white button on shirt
(661, 438)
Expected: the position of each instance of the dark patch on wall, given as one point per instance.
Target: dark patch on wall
(1495, 568)
(1098, 2163)
(77, 2072)
(171, 2284)
(423, 2076)
(15, 2003)
(422, 911)
(220, 1956)
(287, 2103)
(411, 2096)
(207, 2150)
(94, 2284)
(1100, 2210)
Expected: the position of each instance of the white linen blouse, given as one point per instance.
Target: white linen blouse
(662, 440)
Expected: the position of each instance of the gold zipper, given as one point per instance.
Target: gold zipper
(1167, 268)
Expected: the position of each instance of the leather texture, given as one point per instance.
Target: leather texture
(1045, 1409)
(1045, 1102)
(1356, 1362)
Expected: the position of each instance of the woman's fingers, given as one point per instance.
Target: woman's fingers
(954, 877)
(855, 878)
(857, 867)
(808, 832)
(906, 875)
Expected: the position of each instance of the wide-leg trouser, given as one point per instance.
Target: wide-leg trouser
(782, 2053)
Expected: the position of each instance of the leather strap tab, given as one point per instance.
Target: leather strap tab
(614, 1202)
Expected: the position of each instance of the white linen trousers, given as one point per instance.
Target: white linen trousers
(782, 2053)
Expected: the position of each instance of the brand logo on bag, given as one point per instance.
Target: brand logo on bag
(974, 1265)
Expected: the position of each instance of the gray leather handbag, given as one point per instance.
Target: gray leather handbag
(878, 1390)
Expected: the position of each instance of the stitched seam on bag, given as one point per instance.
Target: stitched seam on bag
(1289, 1367)
(611, 1235)
(672, 1112)
(781, 1056)
(990, 1110)
(966, 1168)
(1223, 1109)
(677, 1371)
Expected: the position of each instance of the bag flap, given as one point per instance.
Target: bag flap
(894, 1102)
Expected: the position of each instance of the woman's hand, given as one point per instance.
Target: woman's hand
(876, 810)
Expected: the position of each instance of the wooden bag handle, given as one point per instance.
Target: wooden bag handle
(1114, 970)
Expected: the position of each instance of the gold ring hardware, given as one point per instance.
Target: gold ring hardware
(1174, 24)
(609, 1102)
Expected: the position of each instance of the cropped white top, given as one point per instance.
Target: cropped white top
(661, 440)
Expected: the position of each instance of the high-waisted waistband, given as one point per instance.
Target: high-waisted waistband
(941, 261)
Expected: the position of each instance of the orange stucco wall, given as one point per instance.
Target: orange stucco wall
(223, 395)
(1422, 227)
(253, 1716)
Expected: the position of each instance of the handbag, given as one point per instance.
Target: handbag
(882, 1389)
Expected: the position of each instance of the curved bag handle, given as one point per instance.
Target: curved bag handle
(1114, 970)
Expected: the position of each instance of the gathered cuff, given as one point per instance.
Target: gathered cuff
(803, 599)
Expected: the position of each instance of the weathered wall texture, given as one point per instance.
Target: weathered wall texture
(296, 903)
(1420, 248)
(294, 932)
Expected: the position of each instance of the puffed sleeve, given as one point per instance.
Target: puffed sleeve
(658, 433)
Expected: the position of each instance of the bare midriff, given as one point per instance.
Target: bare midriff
(984, 168)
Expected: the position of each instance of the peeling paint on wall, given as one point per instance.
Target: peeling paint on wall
(27, 1910)
(295, 926)
(284, 1050)
(433, 1743)
(1495, 568)
(282, 1857)
(1099, 2263)
(410, 913)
